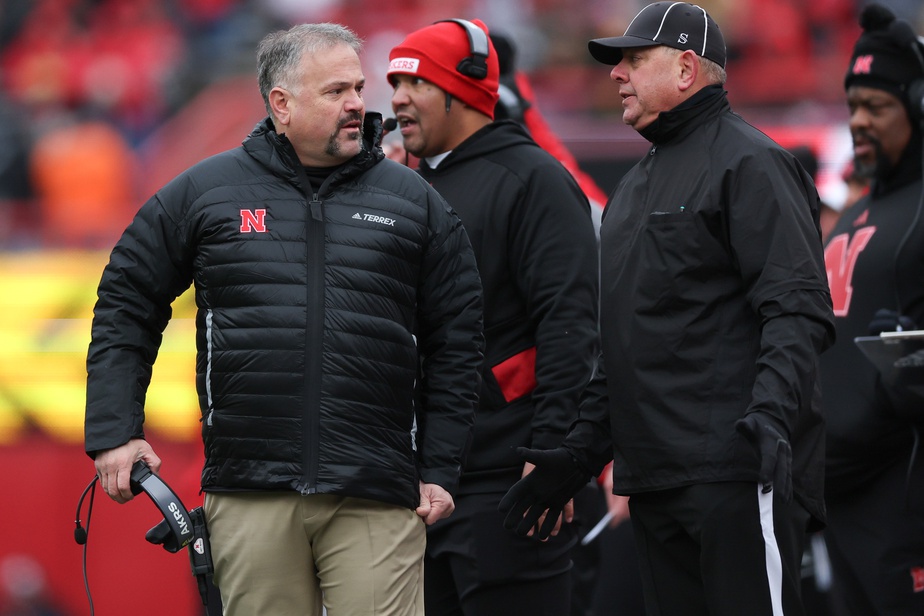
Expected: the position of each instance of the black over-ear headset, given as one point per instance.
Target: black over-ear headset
(916, 87)
(179, 528)
(476, 64)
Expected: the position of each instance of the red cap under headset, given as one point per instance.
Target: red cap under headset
(434, 52)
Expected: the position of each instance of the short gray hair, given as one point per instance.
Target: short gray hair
(714, 73)
(279, 53)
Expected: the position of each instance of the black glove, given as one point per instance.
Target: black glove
(886, 320)
(773, 452)
(555, 480)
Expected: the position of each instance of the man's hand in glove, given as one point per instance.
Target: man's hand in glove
(886, 320)
(555, 480)
(767, 436)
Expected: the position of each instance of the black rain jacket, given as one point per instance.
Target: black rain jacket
(714, 305)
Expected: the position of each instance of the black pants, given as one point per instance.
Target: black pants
(703, 551)
(475, 567)
(605, 572)
(877, 549)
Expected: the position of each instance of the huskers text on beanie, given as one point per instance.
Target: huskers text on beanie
(680, 25)
(884, 56)
(434, 53)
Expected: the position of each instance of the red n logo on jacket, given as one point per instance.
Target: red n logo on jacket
(253, 221)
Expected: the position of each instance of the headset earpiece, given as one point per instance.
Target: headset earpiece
(176, 516)
(476, 64)
(916, 100)
(915, 89)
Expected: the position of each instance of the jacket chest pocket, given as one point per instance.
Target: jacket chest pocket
(670, 244)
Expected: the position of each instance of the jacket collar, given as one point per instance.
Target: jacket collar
(490, 138)
(275, 151)
(687, 116)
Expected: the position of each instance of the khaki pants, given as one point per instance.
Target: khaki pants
(280, 554)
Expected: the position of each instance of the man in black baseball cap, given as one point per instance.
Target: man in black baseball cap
(680, 25)
(714, 309)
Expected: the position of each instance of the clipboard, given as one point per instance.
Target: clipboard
(898, 356)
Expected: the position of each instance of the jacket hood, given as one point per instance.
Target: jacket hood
(491, 138)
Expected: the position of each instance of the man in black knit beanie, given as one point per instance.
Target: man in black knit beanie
(875, 262)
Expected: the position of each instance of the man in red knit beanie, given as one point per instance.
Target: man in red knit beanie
(534, 241)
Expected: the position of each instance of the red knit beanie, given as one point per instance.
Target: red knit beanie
(434, 52)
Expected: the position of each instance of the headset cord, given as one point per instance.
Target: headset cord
(916, 431)
(896, 265)
(914, 465)
(86, 581)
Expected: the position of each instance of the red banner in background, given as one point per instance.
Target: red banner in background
(41, 483)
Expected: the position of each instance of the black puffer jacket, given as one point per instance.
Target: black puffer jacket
(309, 302)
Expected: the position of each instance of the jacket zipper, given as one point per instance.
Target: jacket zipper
(314, 337)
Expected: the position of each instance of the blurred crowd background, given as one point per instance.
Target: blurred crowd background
(104, 101)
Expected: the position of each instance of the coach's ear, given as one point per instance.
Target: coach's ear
(688, 69)
(279, 100)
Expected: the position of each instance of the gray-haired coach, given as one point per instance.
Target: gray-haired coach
(339, 338)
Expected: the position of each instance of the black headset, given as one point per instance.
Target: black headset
(178, 523)
(475, 65)
(915, 89)
(179, 528)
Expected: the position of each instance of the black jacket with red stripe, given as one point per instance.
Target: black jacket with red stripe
(530, 227)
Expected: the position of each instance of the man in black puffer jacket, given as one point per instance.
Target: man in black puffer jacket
(339, 337)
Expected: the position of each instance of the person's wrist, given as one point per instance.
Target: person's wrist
(768, 420)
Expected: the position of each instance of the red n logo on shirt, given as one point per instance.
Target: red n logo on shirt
(840, 259)
(253, 221)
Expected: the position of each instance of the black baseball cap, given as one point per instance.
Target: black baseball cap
(680, 25)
